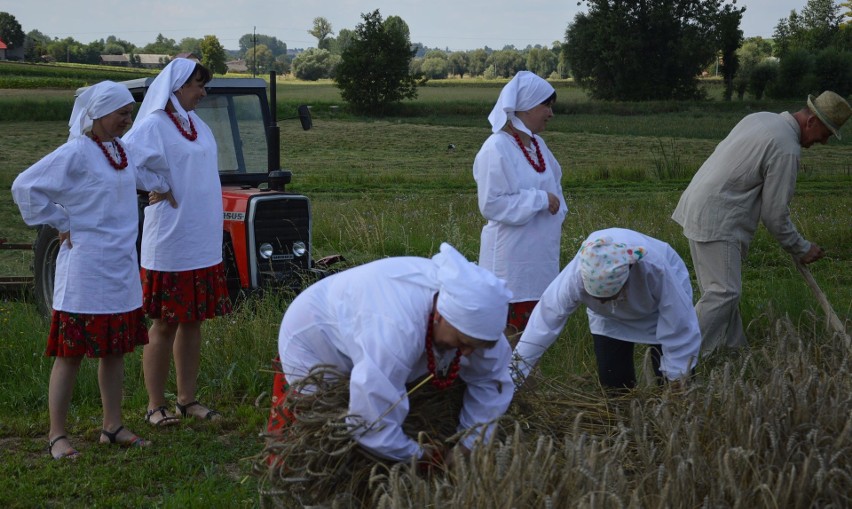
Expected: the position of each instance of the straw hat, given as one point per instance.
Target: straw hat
(831, 109)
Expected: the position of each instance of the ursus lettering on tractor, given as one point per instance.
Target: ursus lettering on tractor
(267, 230)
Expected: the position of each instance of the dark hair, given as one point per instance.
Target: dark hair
(550, 100)
(200, 73)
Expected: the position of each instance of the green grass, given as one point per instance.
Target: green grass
(391, 187)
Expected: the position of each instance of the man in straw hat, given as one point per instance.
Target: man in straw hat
(750, 177)
(395, 320)
(636, 289)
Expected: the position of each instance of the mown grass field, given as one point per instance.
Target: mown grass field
(768, 427)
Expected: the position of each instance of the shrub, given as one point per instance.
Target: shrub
(833, 70)
(795, 76)
(761, 76)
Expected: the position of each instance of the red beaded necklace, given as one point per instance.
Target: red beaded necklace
(452, 372)
(118, 165)
(537, 167)
(192, 135)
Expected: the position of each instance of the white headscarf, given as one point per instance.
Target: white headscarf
(524, 92)
(163, 88)
(95, 102)
(471, 298)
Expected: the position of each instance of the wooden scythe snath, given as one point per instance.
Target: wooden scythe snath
(834, 321)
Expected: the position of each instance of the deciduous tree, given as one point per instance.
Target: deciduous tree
(35, 46)
(435, 65)
(248, 41)
(815, 28)
(730, 39)
(260, 59)
(643, 49)
(542, 61)
(506, 62)
(162, 45)
(458, 63)
(213, 54)
(477, 61)
(321, 30)
(752, 53)
(373, 72)
(10, 31)
(314, 64)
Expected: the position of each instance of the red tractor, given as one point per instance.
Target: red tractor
(267, 230)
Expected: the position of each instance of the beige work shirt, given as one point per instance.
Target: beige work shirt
(750, 177)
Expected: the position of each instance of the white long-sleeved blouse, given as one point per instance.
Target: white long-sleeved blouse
(190, 236)
(520, 243)
(75, 189)
(656, 308)
(370, 322)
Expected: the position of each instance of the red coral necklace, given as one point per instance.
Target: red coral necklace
(452, 372)
(118, 165)
(540, 167)
(192, 134)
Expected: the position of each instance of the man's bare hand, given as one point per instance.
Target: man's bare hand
(813, 254)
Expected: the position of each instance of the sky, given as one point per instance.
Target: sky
(456, 25)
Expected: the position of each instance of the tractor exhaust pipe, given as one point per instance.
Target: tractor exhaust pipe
(273, 137)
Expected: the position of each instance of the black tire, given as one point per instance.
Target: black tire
(45, 251)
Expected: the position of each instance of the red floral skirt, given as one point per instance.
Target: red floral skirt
(279, 415)
(519, 314)
(77, 334)
(187, 296)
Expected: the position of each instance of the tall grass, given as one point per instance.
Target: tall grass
(746, 433)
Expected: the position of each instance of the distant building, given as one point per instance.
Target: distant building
(237, 66)
(146, 60)
(10, 54)
(191, 56)
(116, 60)
(152, 61)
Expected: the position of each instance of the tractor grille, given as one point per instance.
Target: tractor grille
(279, 220)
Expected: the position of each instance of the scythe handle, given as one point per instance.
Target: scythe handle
(834, 321)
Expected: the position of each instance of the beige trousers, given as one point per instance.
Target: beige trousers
(718, 266)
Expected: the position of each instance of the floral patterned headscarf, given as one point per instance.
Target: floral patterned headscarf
(605, 265)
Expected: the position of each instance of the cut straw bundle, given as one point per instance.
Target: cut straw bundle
(316, 461)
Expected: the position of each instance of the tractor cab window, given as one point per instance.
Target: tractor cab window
(238, 126)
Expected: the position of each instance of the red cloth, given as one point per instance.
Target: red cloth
(279, 416)
(77, 334)
(188, 296)
(519, 314)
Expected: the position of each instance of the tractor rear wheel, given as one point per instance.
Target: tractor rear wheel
(45, 251)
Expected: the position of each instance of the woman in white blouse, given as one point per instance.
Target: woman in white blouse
(519, 185)
(86, 189)
(183, 278)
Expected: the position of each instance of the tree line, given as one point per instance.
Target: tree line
(616, 50)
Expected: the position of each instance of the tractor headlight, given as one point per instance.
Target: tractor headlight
(265, 250)
(299, 249)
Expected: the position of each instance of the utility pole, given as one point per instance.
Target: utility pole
(254, 51)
